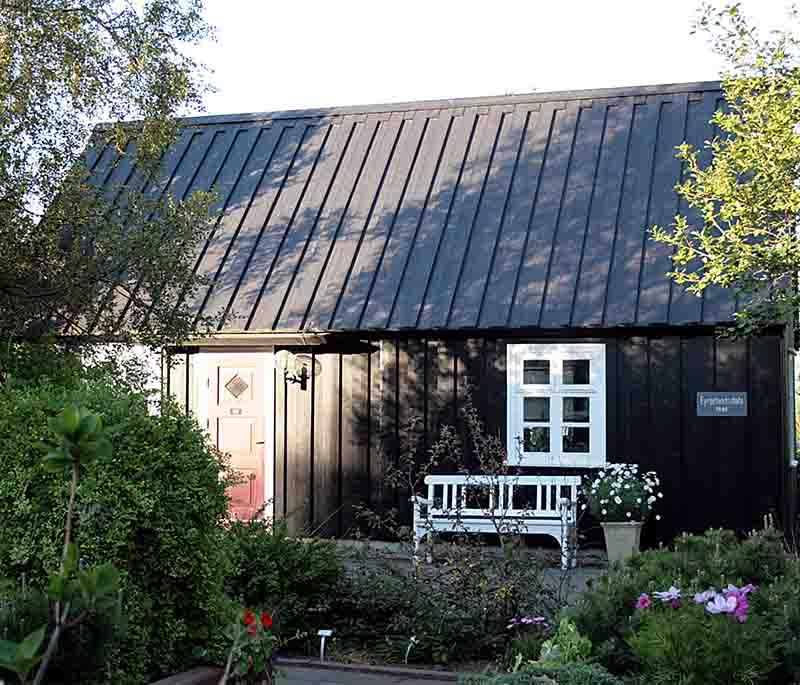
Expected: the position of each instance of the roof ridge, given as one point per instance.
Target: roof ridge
(451, 103)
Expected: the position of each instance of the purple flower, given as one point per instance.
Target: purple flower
(518, 621)
(721, 605)
(643, 602)
(703, 597)
(671, 596)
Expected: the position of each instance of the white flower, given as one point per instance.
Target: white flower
(651, 499)
(628, 514)
(603, 512)
(618, 500)
(638, 500)
(583, 507)
(603, 501)
(627, 486)
(660, 495)
(658, 517)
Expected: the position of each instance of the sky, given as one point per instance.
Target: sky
(294, 54)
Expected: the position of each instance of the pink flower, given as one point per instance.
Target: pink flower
(739, 595)
(643, 602)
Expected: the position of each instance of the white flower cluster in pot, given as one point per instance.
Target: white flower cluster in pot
(622, 493)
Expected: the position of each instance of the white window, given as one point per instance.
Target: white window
(556, 404)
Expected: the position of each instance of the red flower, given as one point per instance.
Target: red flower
(266, 619)
(252, 629)
(249, 617)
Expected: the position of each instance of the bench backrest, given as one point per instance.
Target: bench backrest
(522, 496)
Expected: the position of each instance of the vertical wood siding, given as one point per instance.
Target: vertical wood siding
(335, 438)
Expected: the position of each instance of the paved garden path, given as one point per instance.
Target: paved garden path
(297, 674)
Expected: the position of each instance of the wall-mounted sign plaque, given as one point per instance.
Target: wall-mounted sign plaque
(722, 404)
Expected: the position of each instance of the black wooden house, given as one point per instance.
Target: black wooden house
(402, 252)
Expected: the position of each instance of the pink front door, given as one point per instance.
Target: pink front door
(236, 425)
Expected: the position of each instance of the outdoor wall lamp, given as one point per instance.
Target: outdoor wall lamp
(295, 368)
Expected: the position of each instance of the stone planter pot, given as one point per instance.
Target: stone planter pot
(622, 539)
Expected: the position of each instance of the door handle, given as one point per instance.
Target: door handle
(259, 442)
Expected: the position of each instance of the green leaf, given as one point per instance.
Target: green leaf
(87, 582)
(8, 652)
(89, 425)
(30, 645)
(70, 558)
(55, 462)
(70, 418)
(56, 588)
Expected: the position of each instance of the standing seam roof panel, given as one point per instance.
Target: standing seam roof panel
(519, 211)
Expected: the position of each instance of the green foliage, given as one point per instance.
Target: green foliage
(24, 609)
(252, 644)
(524, 648)
(606, 613)
(79, 438)
(780, 603)
(65, 247)
(689, 646)
(741, 230)
(567, 646)
(153, 510)
(289, 576)
(544, 674)
(458, 611)
(22, 657)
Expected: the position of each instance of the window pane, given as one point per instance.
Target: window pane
(537, 408)
(536, 440)
(536, 372)
(576, 439)
(576, 409)
(576, 372)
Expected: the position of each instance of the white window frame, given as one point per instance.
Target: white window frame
(556, 390)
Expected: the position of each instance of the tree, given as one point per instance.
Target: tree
(741, 228)
(73, 259)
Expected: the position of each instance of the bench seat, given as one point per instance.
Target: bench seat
(523, 505)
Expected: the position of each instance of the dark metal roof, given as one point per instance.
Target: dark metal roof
(518, 211)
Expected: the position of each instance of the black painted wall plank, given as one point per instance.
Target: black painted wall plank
(327, 394)
(715, 471)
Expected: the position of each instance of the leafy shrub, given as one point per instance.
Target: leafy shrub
(526, 645)
(289, 576)
(567, 646)
(541, 674)
(524, 648)
(605, 614)
(460, 608)
(689, 645)
(153, 510)
(780, 603)
(82, 652)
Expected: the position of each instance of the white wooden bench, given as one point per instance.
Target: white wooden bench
(527, 505)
